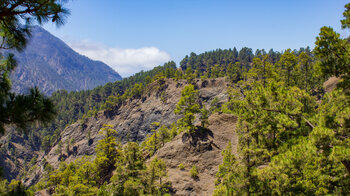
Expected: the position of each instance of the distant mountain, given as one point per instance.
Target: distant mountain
(50, 64)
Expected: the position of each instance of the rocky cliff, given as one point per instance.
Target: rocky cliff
(132, 121)
(204, 151)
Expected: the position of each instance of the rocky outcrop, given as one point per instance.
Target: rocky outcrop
(16, 150)
(203, 149)
(132, 120)
(331, 84)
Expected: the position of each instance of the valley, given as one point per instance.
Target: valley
(233, 121)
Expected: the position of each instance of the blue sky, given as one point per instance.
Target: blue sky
(130, 35)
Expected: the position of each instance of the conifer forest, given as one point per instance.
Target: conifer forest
(223, 122)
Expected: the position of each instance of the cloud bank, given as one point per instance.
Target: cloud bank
(125, 61)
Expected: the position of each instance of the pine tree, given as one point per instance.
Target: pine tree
(178, 75)
(287, 64)
(305, 72)
(59, 148)
(333, 52)
(156, 171)
(227, 180)
(163, 134)
(107, 153)
(127, 176)
(188, 106)
(189, 75)
(15, 20)
(234, 72)
(269, 117)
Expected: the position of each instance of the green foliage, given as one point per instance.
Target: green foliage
(188, 106)
(3, 187)
(45, 144)
(164, 97)
(262, 70)
(124, 167)
(107, 153)
(156, 171)
(214, 106)
(84, 104)
(215, 71)
(227, 182)
(151, 144)
(303, 170)
(84, 175)
(111, 102)
(307, 76)
(178, 75)
(173, 130)
(132, 177)
(23, 109)
(170, 71)
(59, 148)
(78, 178)
(189, 75)
(279, 120)
(136, 91)
(231, 63)
(271, 118)
(288, 142)
(234, 72)
(181, 166)
(333, 53)
(158, 138)
(16, 187)
(214, 63)
(194, 172)
(287, 64)
(164, 135)
(282, 137)
(331, 135)
(132, 187)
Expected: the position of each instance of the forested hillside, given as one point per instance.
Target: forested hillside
(79, 105)
(280, 119)
(114, 96)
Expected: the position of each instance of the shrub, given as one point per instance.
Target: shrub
(181, 166)
(194, 172)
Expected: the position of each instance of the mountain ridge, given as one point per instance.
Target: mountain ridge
(50, 64)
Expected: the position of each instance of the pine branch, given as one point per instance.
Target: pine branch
(289, 114)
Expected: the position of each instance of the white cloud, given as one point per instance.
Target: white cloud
(125, 61)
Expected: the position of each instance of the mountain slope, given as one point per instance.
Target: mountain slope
(204, 153)
(132, 121)
(50, 64)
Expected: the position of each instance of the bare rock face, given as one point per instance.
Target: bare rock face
(15, 150)
(202, 149)
(331, 84)
(132, 120)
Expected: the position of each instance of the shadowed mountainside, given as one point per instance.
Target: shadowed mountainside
(50, 64)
